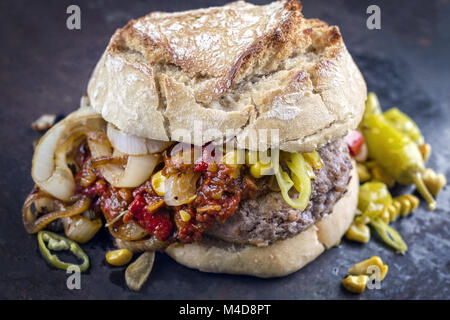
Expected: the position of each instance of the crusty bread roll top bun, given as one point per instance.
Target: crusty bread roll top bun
(240, 68)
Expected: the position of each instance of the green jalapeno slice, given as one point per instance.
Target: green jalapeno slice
(51, 241)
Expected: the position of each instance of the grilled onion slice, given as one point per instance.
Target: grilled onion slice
(126, 143)
(181, 188)
(49, 167)
(134, 145)
(81, 229)
(129, 231)
(136, 171)
(34, 224)
(151, 244)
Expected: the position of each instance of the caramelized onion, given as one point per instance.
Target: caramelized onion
(33, 224)
(137, 273)
(129, 231)
(181, 188)
(125, 142)
(81, 229)
(134, 145)
(49, 167)
(151, 244)
(136, 171)
(109, 160)
(155, 146)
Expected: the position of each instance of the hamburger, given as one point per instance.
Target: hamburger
(214, 135)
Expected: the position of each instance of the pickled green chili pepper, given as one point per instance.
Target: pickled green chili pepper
(300, 178)
(405, 124)
(51, 241)
(396, 153)
(372, 106)
(373, 211)
(373, 197)
(389, 235)
(313, 159)
(373, 192)
(300, 174)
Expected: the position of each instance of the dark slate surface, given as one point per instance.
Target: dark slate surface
(45, 68)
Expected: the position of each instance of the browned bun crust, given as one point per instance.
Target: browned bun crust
(163, 73)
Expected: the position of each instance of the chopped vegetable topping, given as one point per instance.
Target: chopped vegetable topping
(355, 141)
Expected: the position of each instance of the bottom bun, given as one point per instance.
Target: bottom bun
(279, 259)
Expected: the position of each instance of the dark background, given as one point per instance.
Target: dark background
(44, 68)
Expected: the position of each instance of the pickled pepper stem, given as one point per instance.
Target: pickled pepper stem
(423, 190)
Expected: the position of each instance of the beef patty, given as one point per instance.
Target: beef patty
(269, 218)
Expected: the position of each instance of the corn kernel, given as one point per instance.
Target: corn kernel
(212, 167)
(191, 199)
(363, 172)
(406, 203)
(119, 257)
(406, 207)
(358, 232)
(434, 182)
(158, 183)
(384, 214)
(414, 201)
(355, 284)
(384, 270)
(259, 169)
(234, 159)
(370, 164)
(361, 267)
(185, 216)
(378, 174)
(394, 210)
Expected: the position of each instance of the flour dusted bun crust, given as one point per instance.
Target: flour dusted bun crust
(279, 259)
(239, 67)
